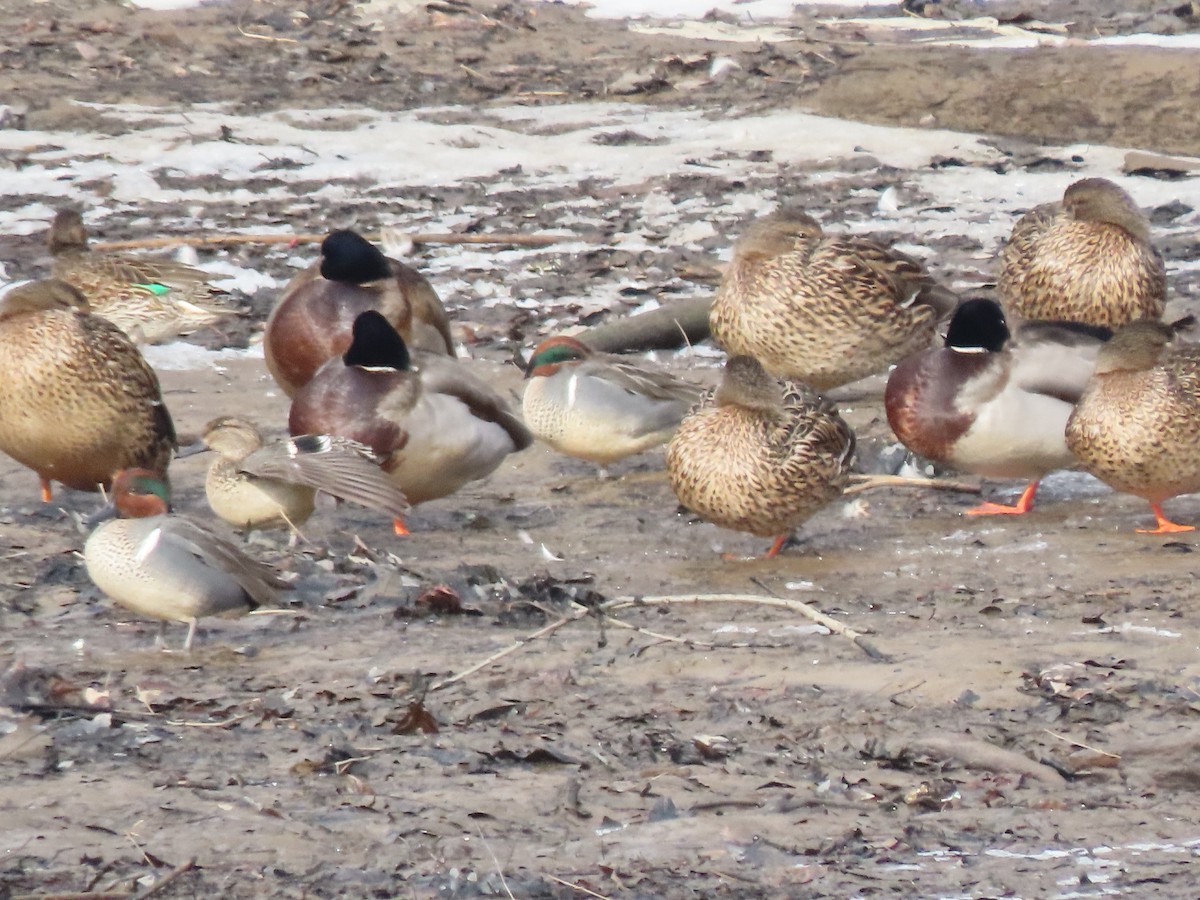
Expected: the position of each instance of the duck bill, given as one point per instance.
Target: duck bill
(191, 449)
(103, 514)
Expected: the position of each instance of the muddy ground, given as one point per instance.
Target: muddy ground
(1024, 728)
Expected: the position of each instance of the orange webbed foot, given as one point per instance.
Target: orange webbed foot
(47, 495)
(1022, 506)
(1165, 525)
(400, 528)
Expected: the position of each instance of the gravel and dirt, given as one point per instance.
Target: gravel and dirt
(1015, 720)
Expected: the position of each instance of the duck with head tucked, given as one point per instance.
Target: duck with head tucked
(254, 484)
(1086, 259)
(150, 299)
(79, 401)
(434, 425)
(763, 457)
(314, 318)
(819, 308)
(166, 566)
(993, 403)
(1137, 426)
(600, 407)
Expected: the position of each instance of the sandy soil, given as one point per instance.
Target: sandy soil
(1024, 728)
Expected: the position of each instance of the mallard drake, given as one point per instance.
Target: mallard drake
(150, 299)
(1086, 259)
(992, 403)
(313, 320)
(600, 407)
(166, 566)
(1137, 425)
(823, 309)
(253, 484)
(763, 457)
(435, 427)
(79, 402)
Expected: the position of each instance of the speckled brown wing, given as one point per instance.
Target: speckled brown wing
(79, 401)
(761, 473)
(830, 311)
(333, 464)
(1138, 430)
(1055, 267)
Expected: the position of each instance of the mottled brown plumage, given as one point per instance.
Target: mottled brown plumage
(78, 402)
(151, 299)
(823, 309)
(314, 318)
(763, 456)
(1137, 426)
(1086, 259)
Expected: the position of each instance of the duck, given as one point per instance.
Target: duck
(820, 308)
(1086, 259)
(255, 484)
(994, 403)
(598, 406)
(434, 425)
(761, 455)
(151, 299)
(166, 566)
(79, 400)
(1137, 425)
(313, 319)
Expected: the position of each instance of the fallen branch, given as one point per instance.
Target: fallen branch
(870, 482)
(674, 325)
(580, 612)
(221, 240)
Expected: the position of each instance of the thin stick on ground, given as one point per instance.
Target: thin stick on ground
(870, 482)
(575, 887)
(809, 612)
(165, 880)
(220, 240)
(510, 649)
(499, 868)
(580, 612)
(1080, 745)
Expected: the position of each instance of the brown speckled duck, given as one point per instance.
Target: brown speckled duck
(434, 424)
(1137, 426)
(152, 299)
(1086, 259)
(78, 402)
(313, 320)
(167, 566)
(992, 403)
(763, 457)
(823, 309)
(600, 407)
(254, 484)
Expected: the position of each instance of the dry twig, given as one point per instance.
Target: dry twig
(580, 612)
(220, 240)
(870, 482)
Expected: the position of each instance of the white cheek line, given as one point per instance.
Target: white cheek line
(146, 547)
(572, 388)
